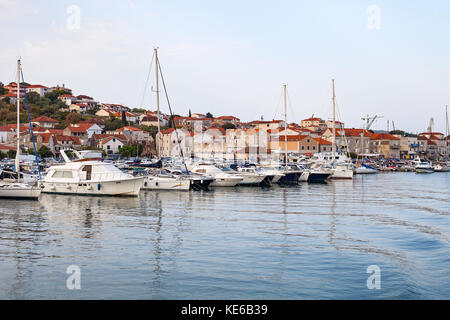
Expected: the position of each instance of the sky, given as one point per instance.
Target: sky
(388, 58)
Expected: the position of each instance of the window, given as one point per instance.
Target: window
(62, 174)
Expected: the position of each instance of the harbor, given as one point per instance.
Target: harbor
(224, 160)
(310, 241)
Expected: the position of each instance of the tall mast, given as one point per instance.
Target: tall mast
(334, 124)
(17, 162)
(157, 102)
(446, 121)
(285, 127)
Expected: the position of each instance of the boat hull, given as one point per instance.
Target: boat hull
(251, 180)
(124, 187)
(225, 182)
(316, 177)
(156, 183)
(424, 170)
(20, 193)
(342, 174)
(290, 178)
(200, 184)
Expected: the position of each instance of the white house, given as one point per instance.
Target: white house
(39, 89)
(111, 144)
(44, 122)
(68, 99)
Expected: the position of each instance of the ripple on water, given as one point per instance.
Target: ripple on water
(311, 241)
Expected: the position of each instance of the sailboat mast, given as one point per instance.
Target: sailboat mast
(446, 121)
(334, 124)
(157, 102)
(285, 127)
(17, 162)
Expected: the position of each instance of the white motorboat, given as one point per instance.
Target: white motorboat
(276, 174)
(365, 169)
(163, 180)
(221, 178)
(442, 167)
(253, 177)
(341, 171)
(86, 176)
(422, 166)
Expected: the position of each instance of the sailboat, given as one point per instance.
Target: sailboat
(163, 180)
(18, 189)
(340, 170)
(291, 174)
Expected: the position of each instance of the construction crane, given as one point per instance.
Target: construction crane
(370, 120)
(430, 125)
(393, 125)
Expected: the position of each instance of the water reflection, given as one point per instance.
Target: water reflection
(309, 241)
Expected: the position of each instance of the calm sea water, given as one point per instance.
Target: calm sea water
(305, 242)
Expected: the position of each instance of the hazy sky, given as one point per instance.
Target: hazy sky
(232, 57)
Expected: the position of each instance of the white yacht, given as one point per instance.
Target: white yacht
(442, 167)
(276, 174)
(90, 176)
(253, 177)
(163, 180)
(422, 166)
(221, 178)
(342, 171)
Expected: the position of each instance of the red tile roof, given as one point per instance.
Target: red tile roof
(128, 128)
(170, 130)
(37, 86)
(5, 147)
(58, 139)
(352, 132)
(44, 119)
(383, 136)
(312, 119)
(323, 141)
(105, 140)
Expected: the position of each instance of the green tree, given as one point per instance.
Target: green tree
(153, 130)
(3, 90)
(113, 124)
(124, 118)
(73, 117)
(229, 126)
(11, 154)
(45, 152)
(190, 114)
(53, 95)
(33, 97)
(130, 151)
(138, 110)
(209, 115)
